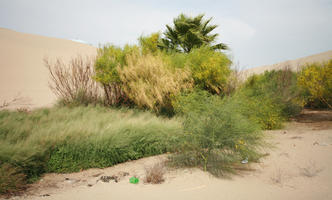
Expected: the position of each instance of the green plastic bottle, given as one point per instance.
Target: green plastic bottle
(133, 180)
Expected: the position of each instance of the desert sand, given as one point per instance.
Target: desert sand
(22, 72)
(299, 166)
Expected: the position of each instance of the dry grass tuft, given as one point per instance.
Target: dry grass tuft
(155, 174)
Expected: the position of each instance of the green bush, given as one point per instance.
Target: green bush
(109, 59)
(215, 134)
(316, 82)
(259, 109)
(210, 69)
(69, 139)
(276, 91)
(149, 44)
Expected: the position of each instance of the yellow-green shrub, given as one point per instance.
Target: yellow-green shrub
(149, 44)
(109, 58)
(316, 80)
(150, 83)
(210, 69)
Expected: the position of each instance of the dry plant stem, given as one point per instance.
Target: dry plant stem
(155, 174)
(69, 80)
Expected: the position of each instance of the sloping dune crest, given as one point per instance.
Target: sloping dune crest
(294, 65)
(22, 72)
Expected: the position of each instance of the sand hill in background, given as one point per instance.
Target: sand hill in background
(22, 72)
(294, 65)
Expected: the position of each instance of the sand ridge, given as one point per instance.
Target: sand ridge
(22, 72)
(294, 65)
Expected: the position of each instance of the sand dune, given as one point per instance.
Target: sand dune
(294, 65)
(22, 72)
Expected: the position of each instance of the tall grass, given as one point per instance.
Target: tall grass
(69, 139)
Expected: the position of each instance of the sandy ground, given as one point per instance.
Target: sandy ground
(22, 72)
(299, 167)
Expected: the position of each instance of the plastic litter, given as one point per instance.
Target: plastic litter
(133, 180)
(245, 161)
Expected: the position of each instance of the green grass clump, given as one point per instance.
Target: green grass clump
(63, 139)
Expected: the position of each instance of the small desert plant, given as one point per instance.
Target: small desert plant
(155, 174)
(150, 83)
(73, 82)
(316, 81)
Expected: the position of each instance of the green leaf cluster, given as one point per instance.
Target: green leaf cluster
(189, 33)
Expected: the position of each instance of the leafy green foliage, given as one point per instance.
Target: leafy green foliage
(189, 33)
(109, 59)
(316, 81)
(149, 44)
(210, 69)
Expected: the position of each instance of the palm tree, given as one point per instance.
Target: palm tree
(189, 33)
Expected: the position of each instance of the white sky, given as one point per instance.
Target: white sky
(258, 32)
